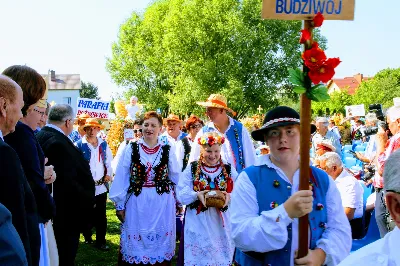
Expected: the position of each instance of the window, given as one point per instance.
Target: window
(67, 100)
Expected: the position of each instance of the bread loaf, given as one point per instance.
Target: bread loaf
(215, 199)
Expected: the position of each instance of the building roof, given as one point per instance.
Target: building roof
(349, 83)
(64, 82)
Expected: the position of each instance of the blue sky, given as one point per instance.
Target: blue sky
(75, 36)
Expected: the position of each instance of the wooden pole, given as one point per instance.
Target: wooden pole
(305, 133)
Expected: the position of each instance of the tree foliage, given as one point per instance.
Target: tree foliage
(89, 90)
(180, 51)
(381, 89)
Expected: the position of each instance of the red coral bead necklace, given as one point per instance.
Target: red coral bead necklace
(150, 150)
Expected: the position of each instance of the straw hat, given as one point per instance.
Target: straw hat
(217, 101)
(92, 122)
(326, 144)
(172, 117)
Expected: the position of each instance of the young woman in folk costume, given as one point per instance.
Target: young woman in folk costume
(205, 188)
(142, 192)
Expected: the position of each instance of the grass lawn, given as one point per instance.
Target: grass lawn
(89, 255)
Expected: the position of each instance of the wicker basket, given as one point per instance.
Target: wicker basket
(215, 199)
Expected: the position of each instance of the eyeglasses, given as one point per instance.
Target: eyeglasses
(137, 130)
(196, 126)
(41, 113)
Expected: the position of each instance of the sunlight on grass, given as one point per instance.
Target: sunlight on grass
(88, 255)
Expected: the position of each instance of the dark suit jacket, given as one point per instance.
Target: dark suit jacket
(24, 142)
(12, 250)
(17, 197)
(74, 188)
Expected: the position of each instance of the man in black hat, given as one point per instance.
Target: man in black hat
(266, 203)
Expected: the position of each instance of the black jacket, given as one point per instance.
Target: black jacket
(16, 195)
(74, 188)
(24, 142)
(12, 250)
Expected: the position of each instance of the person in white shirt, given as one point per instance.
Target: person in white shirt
(142, 195)
(173, 125)
(266, 203)
(184, 146)
(384, 252)
(238, 149)
(324, 134)
(132, 108)
(96, 151)
(350, 190)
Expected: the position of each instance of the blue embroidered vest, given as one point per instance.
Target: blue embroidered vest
(84, 148)
(234, 135)
(278, 192)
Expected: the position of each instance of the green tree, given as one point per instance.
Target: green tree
(89, 90)
(181, 51)
(381, 89)
(337, 103)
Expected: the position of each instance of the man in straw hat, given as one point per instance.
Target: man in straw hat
(174, 126)
(78, 133)
(266, 203)
(96, 151)
(238, 149)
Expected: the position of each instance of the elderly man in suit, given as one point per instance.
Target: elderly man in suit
(15, 192)
(74, 189)
(384, 251)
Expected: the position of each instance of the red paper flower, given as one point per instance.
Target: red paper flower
(323, 73)
(305, 36)
(314, 57)
(334, 62)
(318, 20)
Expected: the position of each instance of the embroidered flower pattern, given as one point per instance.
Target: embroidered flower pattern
(241, 160)
(276, 183)
(274, 204)
(320, 207)
(322, 225)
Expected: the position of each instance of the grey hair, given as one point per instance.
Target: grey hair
(371, 117)
(60, 113)
(391, 173)
(393, 113)
(323, 120)
(134, 98)
(332, 159)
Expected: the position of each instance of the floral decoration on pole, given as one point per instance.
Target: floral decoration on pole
(318, 68)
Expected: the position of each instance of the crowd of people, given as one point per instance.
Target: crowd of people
(236, 192)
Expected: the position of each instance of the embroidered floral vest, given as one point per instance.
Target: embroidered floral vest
(204, 182)
(138, 172)
(84, 148)
(273, 191)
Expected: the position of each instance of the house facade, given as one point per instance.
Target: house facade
(63, 88)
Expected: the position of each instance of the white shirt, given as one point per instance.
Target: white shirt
(97, 165)
(370, 150)
(262, 233)
(56, 128)
(351, 192)
(383, 252)
(132, 110)
(317, 138)
(171, 139)
(226, 151)
(1, 135)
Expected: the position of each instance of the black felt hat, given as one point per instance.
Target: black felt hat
(277, 117)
